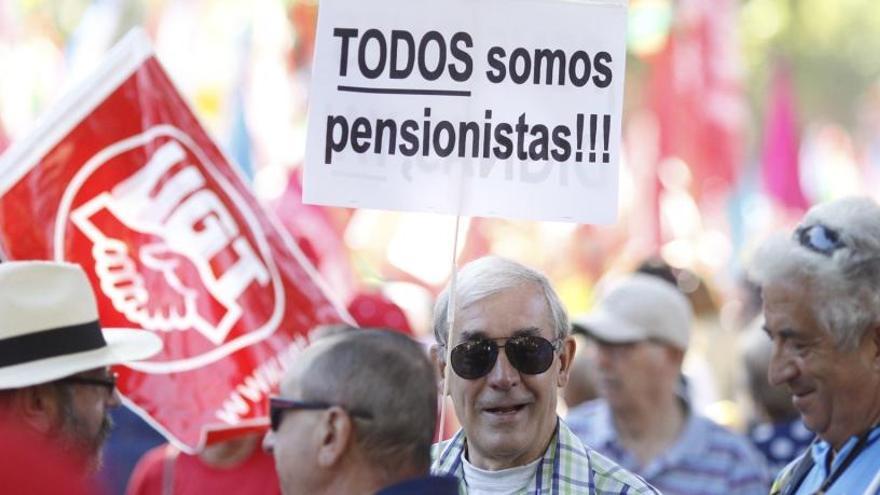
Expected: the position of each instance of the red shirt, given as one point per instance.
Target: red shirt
(190, 475)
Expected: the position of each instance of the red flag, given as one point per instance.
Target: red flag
(373, 310)
(318, 234)
(123, 180)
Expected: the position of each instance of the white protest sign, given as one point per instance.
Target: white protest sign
(498, 108)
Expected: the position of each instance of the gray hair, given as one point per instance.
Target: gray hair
(488, 276)
(388, 375)
(845, 284)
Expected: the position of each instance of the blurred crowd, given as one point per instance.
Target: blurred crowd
(541, 404)
(666, 354)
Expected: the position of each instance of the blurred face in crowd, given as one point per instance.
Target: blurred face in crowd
(837, 392)
(636, 374)
(508, 416)
(84, 414)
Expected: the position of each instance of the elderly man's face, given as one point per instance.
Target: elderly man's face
(834, 390)
(508, 416)
(84, 420)
(293, 445)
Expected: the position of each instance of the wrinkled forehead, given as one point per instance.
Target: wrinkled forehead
(512, 311)
(786, 302)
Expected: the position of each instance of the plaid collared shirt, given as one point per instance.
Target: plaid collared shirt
(567, 468)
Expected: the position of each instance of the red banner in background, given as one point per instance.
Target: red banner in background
(780, 167)
(696, 93)
(123, 180)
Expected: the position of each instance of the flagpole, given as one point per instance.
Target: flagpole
(451, 303)
(450, 318)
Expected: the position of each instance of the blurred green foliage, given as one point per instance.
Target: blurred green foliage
(831, 47)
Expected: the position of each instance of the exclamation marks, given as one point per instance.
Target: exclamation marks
(606, 133)
(593, 119)
(594, 129)
(579, 156)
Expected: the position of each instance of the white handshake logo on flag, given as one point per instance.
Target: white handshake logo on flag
(185, 226)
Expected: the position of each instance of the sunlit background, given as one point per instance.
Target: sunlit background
(738, 116)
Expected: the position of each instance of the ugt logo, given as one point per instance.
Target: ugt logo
(176, 249)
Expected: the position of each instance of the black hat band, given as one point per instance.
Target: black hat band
(51, 343)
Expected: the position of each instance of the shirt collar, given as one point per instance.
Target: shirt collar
(448, 462)
(563, 448)
(820, 449)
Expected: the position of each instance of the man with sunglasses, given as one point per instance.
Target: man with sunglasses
(54, 357)
(821, 290)
(510, 353)
(641, 327)
(357, 414)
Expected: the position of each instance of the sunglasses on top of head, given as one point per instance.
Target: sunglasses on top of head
(819, 238)
(529, 354)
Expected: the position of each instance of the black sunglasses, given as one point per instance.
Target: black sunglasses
(529, 354)
(819, 238)
(108, 382)
(278, 406)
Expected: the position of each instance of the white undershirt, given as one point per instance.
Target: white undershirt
(504, 482)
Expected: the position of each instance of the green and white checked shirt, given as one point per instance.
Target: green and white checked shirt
(567, 468)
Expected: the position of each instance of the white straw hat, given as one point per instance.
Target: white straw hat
(49, 326)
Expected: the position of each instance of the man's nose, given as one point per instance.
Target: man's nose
(782, 368)
(605, 356)
(114, 400)
(503, 375)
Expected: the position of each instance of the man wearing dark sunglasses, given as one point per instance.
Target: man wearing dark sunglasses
(510, 353)
(821, 290)
(357, 414)
(641, 327)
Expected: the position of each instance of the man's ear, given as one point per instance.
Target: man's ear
(336, 434)
(566, 356)
(39, 406)
(439, 359)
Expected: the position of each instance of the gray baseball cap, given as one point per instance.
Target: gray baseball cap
(641, 307)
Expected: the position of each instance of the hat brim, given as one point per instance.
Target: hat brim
(123, 345)
(604, 326)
